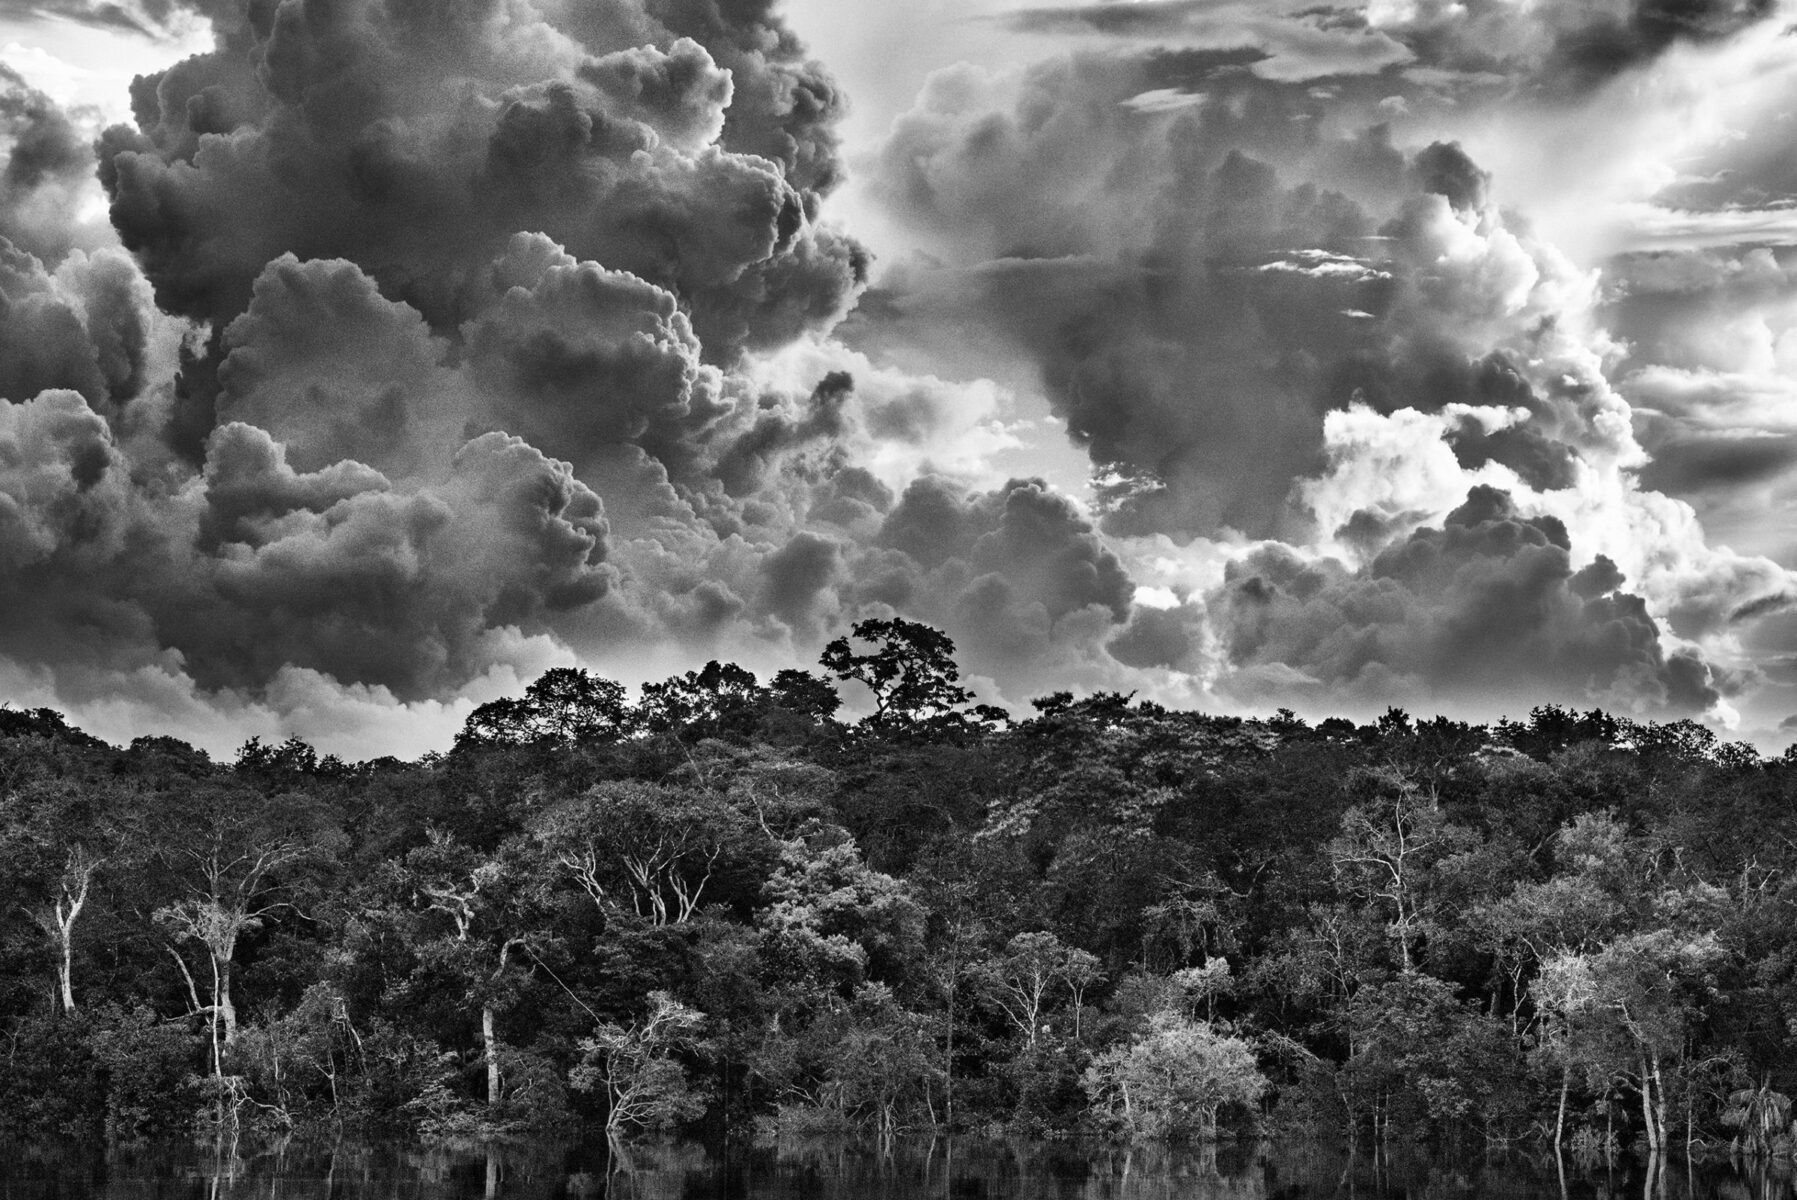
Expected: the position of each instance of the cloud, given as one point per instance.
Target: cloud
(340, 572)
(334, 371)
(48, 174)
(417, 144)
(356, 722)
(1267, 320)
(1728, 463)
(1197, 291)
(1278, 41)
(1651, 226)
(1561, 52)
(1558, 52)
(256, 564)
(439, 345)
(151, 17)
(587, 357)
(1016, 573)
(88, 327)
(1482, 612)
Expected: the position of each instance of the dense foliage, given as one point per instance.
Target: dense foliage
(719, 904)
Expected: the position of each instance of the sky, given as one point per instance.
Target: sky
(362, 359)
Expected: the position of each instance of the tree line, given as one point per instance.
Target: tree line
(718, 905)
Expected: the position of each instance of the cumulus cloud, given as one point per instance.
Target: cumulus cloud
(398, 389)
(1017, 572)
(435, 345)
(49, 167)
(1197, 291)
(1265, 316)
(256, 566)
(584, 357)
(416, 143)
(1481, 613)
(1711, 336)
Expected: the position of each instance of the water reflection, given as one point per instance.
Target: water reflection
(962, 1169)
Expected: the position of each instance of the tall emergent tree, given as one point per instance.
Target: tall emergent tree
(911, 669)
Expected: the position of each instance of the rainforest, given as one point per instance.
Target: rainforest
(722, 904)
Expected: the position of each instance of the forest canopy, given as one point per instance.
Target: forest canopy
(720, 904)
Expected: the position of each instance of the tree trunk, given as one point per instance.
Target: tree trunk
(490, 1040)
(227, 1011)
(1560, 1117)
(59, 923)
(1647, 1107)
(1659, 1104)
(65, 936)
(65, 970)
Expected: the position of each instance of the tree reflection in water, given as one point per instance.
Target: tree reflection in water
(893, 1169)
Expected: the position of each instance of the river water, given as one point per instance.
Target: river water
(964, 1169)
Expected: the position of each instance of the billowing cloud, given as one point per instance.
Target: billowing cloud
(88, 327)
(430, 346)
(416, 143)
(48, 167)
(1017, 573)
(1264, 316)
(1198, 290)
(1480, 613)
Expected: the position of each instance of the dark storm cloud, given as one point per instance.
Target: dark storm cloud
(582, 358)
(49, 162)
(62, 488)
(476, 289)
(1443, 168)
(799, 577)
(1185, 70)
(1152, 17)
(1016, 574)
(599, 368)
(261, 567)
(1148, 356)
(1605, 44)
(46, 150)
(85, 328)
(1159, 637)
(1028, 535)
(43, 340)
(416, 141)
(786, 105)
(1485, 608)
(1539, 459)
(457, 260)
(338, 571)
(1557, 50)
(1196, 293)
(1682, 466)
(68, 539)
(335, 371)
(744, 465)
(1275, 40)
